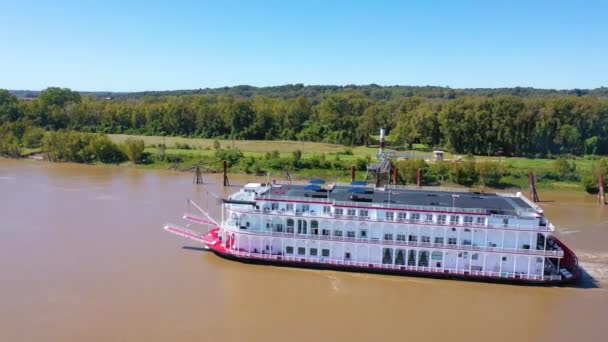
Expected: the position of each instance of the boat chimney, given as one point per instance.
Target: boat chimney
(352, 173)
(419, 177)
(382, 133)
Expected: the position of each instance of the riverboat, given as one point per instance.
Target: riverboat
(413, 231)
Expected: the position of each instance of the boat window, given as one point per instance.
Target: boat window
(363, 233)
(451, 241)
(387, 256)
(388, 237)
(415, 216)
(350, 212)
(400, 257)
(313, 252)
(468, 220)
(347, 255)
(301, 251)
(389, 215)
(289, 207)
(350, 234)
(475, 256)
(481, 221)
(439, 240)
(325, 232)
(325, 252)
(314, 224)
(363, 213)
(326, 209)
(338, 233)
(400, 237)
(429, 217)
(454, 219)
(441, 219)
(412, 238)
(289, 250)
(423, 260)
(426, 239)
(338, 211)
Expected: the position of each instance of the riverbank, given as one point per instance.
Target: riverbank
(334, 161)
(295, 159)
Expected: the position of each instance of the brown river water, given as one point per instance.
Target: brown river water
(83, 257)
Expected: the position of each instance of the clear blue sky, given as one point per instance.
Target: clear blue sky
(148, 45)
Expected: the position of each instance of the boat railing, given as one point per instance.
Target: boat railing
(325, 215)
(391, 266)
(405, 243)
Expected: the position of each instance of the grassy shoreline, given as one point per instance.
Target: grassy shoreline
(324, 160)
(202, 149)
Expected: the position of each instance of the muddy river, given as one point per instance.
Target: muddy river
(83, 257)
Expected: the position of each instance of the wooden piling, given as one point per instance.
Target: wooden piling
(395, 175)
(225, 168)
(601, 197)
(533, 193)
(198, 176)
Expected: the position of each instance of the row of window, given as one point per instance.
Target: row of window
(389, 256)
(302, 251)
(394, 216)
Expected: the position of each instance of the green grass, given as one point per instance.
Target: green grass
(202, 150)
(262, 146)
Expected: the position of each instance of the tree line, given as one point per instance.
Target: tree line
(316, 93)
(487, 125)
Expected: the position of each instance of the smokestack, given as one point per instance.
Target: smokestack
(382, 132)
(419, 177)
(352, 173)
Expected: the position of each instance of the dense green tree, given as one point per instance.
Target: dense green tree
(518, 121)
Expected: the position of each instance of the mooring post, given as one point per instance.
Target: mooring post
(533, 193)
(601, 196)
(198, 178)
(395, 176)
(352, 173)
(419, 177)
(225, 167)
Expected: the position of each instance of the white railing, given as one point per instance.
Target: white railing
(401, 243)
(375, 265)
(322, 215)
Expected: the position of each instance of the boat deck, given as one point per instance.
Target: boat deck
(411, 197)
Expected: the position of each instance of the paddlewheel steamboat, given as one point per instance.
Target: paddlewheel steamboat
(396, 230)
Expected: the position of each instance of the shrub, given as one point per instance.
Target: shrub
(231, 157)
(32, 137)
(103, 149)
(133, 149)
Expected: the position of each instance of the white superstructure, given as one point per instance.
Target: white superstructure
(400, 229)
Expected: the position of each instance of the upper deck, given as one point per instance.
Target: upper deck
(425, 198)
